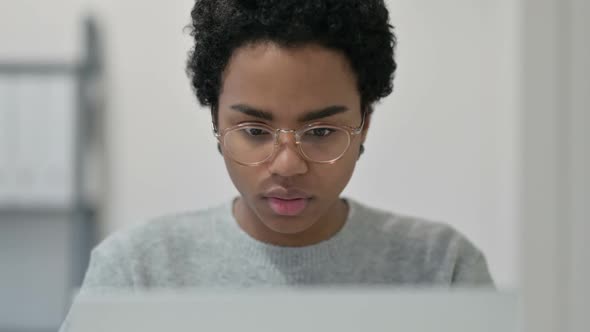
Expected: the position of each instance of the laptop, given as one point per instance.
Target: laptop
(296, 310)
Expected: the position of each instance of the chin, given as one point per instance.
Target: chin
(291, 227)
(286, 224)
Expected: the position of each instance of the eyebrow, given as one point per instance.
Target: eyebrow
(308, 116)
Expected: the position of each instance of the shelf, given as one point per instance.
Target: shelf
(39, 211)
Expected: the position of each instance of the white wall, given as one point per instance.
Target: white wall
(443, 146)
(39, 30)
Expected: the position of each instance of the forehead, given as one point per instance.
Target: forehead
(288, 81)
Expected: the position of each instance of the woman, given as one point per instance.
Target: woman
(291, 86)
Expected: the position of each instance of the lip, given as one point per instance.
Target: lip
(286, 194)
(289, 202)
(287, 207)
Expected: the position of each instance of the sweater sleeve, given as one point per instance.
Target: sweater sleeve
(107, 272)
(470, 269)
(108, 269)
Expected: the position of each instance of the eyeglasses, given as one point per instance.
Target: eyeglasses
(251, 144)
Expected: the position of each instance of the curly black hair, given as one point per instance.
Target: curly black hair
(359, 29)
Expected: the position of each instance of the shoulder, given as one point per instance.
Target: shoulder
(398, 227)
(424, 245)
(144, 254)
(172, 230)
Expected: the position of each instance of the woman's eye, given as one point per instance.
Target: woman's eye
(320, 132)
(255, 131)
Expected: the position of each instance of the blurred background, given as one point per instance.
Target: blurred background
(99, 130)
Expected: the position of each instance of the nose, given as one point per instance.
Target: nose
(287, 161)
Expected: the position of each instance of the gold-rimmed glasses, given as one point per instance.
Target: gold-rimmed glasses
(252, 143)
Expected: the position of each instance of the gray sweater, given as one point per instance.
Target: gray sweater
(209, 249)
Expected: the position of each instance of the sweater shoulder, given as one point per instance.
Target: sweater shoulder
(163, 233)
(413, 235)
(392, 224)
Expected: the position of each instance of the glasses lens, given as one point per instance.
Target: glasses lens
(324, 143)
(250, 144)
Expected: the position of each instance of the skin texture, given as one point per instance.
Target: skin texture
(290, 82)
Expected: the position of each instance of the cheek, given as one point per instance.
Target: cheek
(335, 177)
(243, 178)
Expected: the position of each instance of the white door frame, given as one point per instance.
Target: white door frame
(556, 163)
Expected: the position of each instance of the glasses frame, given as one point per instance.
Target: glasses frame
(351, 131)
